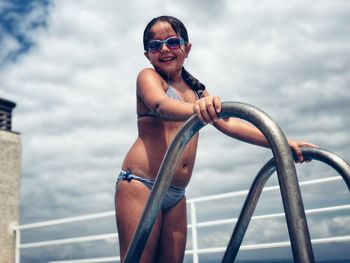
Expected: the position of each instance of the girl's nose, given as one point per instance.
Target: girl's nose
(164, 47)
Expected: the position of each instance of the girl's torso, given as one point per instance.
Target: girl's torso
(154, 137)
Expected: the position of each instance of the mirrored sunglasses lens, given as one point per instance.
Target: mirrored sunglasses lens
(154, 45)
(173, 42)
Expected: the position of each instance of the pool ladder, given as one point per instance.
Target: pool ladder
(282, 162)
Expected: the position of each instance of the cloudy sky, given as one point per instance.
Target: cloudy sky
(71, 67)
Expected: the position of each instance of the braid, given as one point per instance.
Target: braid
(194, 83)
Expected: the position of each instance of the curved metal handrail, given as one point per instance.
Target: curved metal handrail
(333, 160)
(340, 165)
(293, 205)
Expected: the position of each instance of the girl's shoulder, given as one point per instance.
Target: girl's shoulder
(148, 72)
(149, 75)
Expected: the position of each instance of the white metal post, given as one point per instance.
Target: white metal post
(18, 242)
(194, 232)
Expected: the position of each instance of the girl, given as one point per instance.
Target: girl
(167, 96)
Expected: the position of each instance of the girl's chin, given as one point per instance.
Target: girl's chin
(167, 65)
(166, 68)
(170, 62)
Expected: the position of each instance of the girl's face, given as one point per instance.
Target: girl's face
(166, 60)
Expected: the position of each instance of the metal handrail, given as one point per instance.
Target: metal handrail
(333, 160)
(340, 165)
(290, 190)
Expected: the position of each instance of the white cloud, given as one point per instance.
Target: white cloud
(9, 45)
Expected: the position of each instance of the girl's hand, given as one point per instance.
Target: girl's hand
(296, 145)
(207, 109)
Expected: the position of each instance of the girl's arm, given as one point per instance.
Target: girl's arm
(237, 128)
(246, 132)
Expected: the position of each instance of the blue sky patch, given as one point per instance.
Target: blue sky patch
(18, 21)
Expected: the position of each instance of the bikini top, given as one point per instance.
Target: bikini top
(171, 93)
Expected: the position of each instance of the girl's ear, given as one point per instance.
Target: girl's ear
(146, 54)
(188, 47)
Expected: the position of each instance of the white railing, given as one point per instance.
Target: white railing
(193, 225)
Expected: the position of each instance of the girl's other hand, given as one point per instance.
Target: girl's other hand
(207, 109)
(296, 145)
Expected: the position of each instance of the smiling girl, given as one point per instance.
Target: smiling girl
(167, 95)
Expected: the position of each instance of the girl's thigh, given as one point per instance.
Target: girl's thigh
(172, 243)
(130, 200)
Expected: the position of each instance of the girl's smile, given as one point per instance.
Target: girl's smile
(167, 59)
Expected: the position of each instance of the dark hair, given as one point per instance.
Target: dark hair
(181, 30)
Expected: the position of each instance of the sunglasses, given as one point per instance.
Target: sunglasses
(172, 42)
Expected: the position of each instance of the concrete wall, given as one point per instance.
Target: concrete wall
(10, 170)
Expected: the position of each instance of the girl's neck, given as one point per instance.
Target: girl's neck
(171, 78)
